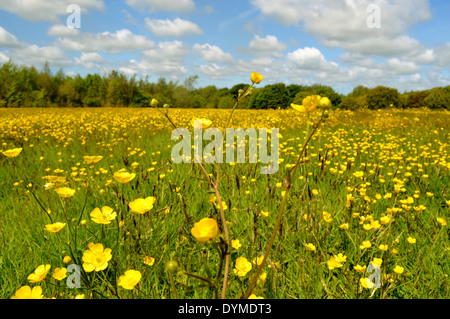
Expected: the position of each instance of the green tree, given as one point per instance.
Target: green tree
(438, 98)
(383, 97)
(272, 96)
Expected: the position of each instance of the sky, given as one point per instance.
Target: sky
(402, 44)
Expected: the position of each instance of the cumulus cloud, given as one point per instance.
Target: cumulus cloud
(166, 59)
(177, 28)
(343, 24)
(120, 41)
(7, 39)
(162, 5)
(46, 11)
(212, 53)
(90, 60)
(268, 45)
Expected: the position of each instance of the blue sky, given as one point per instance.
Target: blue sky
(331, 42)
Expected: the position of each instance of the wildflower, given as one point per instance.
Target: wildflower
(154, 103)
(149, 261)
(65, 192)
(130, 279)
(12, 153)
(67, 259)
(344, 226)
(205, 230)
(92, 159)
(359, 268)
(366, 283)
(336, 261)
(324, 102)
(141, 206)
(81, 296)
(258, 260)
(256, 78)
(124, 177)
(441, 221)
(242, 266)
(327, 217)
(366, 244)
(253, 296)
(54, 228)
(310, 247)
(96, 258)
(411, 240)
(398, 269)
(377, 262)
(358, 174)
(26, 292)
(309, 104)
(264, 214)
(383, 247)
(385, 219)
(201, 123)
(236, 244)
(39, 273)
(60, 273)
(104, 216)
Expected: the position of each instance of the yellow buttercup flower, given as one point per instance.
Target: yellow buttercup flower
(141, 205)
(12, 153)
(336, 261)
(236, 244)
(205, 230)
(26, 292)
(310, 247)
(65, 192)
(366, 244)
(92, 159)
(411, 240)
(96, 258)
(256, 78)
(324, 102)
(130, 279)
(441, 221)
(60, 273)
(123, 177)
(54, 228)
(359, 268)
(242, 266)
(366, 283)
(399, 269)
(149, 261)
(104, 216)
(309, 104)
(39, 273)
(253, 296)
(202, 123)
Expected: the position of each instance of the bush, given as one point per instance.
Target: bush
(383, 97)
(438, 98)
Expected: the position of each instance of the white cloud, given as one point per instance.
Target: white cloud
(212, 53)
(309, 59)
(166, 59)
(120, 41)
(36, 55)
(7, 39)
(59, 30)
(177, 28)
(343, 24)
(162, 5)
(91, 60)
(267, 45)
(46, 11)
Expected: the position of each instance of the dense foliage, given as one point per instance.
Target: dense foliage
(22, 86)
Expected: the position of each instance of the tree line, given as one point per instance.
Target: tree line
(26, 86)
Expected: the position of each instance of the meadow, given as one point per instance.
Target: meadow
(369, 203)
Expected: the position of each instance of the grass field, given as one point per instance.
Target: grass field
(374, 187)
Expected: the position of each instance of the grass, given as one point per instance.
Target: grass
(402, 153)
